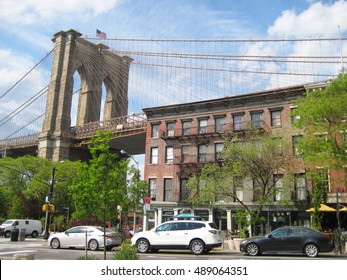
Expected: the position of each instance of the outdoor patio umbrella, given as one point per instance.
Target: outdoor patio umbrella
(322, 208)
(344, 209)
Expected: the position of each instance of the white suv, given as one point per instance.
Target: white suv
(198, 236)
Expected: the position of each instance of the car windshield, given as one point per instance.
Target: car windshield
(7, 222)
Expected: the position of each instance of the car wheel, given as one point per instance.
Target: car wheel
(142, 245)
(93, 245)
(34, 234)
(55, 243)
(252, 249)
(197, 247)
(311, 250)
(7, 234)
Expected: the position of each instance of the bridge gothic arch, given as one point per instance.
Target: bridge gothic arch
(95, 66)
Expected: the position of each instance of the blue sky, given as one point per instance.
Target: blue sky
(27, 27)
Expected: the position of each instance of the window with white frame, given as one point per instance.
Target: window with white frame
(219, 124)
(218, 150)
(276, 118)
(185, 127)
(238, 122)
(169, 154)
(300, 187)
(256, 118)
(167, 189)
(295, 143)
(238, 189)
(184, 192)
(185, 153)
(152, 182)
(323, 174)
(202, 152)
(278, 181)
(155, 130)
(154, 155)
(203, 126)
(170, 129)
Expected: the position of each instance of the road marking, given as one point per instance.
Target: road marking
(18, 252)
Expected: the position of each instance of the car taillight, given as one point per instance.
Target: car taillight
(327, 237)
(213, 231)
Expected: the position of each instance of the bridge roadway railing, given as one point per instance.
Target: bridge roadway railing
(123, 125)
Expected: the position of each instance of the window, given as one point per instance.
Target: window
(294, 118)
(300, 187)
(278, 149)
(154, 156)
(276, 118)
(184, 192)
(219, 124)
(155, 131)
(185, 153)
(169, 154)
(202, 152)
(323, 174)
(256, 119)
(295, 142)
(238, 189)
(152, 188)
(237, 122)
(168, 189)
(278, 181)
(203, 126)
(170, 129)
(186, 128)
(218, 150)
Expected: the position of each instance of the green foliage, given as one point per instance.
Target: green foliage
(321, 114)
(126, 252)
(253, 158)
(102, 184)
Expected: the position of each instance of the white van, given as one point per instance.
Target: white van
(32, 227)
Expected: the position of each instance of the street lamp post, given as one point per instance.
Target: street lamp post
(48, 200)
(137, 165)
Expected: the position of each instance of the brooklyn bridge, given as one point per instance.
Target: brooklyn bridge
(87, 84)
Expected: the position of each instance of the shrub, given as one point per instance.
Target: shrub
(126, 252)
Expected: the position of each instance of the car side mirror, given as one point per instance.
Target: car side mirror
(269, 235)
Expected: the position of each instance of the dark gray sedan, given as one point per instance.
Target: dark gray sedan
(289, 240)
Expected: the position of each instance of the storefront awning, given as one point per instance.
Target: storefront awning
(322, 208)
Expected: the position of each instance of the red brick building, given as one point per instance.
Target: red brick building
(181, 138)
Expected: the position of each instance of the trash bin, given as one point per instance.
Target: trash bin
(22, 234)
(14, 234)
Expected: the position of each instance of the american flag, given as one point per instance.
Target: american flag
(100, 34)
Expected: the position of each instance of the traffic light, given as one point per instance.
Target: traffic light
(48, 208)
(51, 208)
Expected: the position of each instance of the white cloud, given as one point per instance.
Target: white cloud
(318, 20)
(35, 11)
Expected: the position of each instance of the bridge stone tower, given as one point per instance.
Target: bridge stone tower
(95, 66)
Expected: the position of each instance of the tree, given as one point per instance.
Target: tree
(102, 184)
(249, 165)
(322, 115)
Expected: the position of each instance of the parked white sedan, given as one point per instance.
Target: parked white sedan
(78, 237)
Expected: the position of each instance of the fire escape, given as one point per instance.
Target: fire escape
(188, 142)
